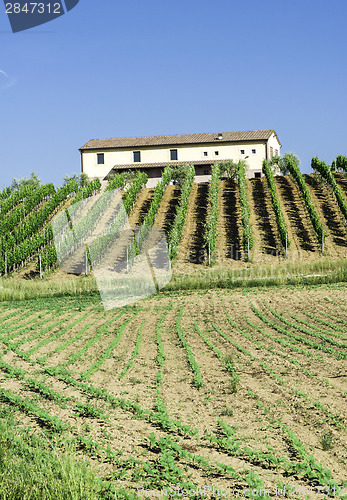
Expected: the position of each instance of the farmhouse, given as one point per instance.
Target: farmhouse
(101, 157)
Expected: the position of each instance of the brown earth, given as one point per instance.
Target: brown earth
(290, 375)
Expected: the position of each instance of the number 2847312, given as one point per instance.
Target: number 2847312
(34, 8)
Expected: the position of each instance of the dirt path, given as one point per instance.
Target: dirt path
(141, 207)
(192, 247)
(228, 224)
(267, 242)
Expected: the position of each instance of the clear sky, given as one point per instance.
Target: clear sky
(119, 69)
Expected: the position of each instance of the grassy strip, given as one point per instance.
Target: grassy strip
(39, 467)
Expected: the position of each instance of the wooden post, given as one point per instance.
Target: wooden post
(209, 254)
(286, 254)
(86, 263)
(322, 240)
(127, 259)
(5, 263)
(248, 249)
(40, 267)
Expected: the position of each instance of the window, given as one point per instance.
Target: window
(100, 158)
(205, 153)
(216, 153)
(254, 151)
(257, 175)
(276, 152)
(242, 151)
(206, 172)
(271, 151)
(173, 154)
(137, 156)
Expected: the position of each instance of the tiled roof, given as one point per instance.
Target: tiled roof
(173, 140)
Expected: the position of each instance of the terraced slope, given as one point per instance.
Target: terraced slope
(267, 240)
(342, 182)
(192, 247)
(300, 230)
(229, 222)
(330, 216)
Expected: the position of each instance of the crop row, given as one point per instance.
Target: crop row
(247, 238)
(153, 209)
(325, 172)
(303, 340)
(282, 228)
(177, 226)
(305, 194)
(211, 226)
(198, 381)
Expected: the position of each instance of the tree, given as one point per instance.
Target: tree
(281, 163)
(228, 168)
(341, 163)
(81, 179)
(33, 181)
(179, 174)
(129, 177)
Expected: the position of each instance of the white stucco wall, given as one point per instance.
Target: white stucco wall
(274, 143)
(186, 153)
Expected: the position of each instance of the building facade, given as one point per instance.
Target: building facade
(101, 157)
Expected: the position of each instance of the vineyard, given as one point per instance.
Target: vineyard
(221, 223)
(192, 390)
(225, 380)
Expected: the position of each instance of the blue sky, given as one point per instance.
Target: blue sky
(118, 69)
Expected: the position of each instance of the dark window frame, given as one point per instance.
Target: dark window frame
(99, 157)
(254, 151)
(137, 156)
(173, 153)
(242, 151)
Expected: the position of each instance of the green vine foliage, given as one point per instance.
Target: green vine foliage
(153, 209)
(282, 228)
(323, 169)
(211, 226)
(247, 238)
(305, 194)
(180, 217)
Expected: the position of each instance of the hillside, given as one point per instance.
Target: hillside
(26, 233)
